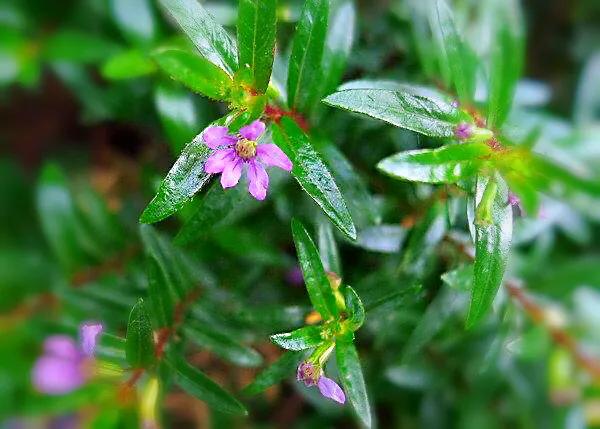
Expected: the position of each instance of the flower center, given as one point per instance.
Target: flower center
(245, 149)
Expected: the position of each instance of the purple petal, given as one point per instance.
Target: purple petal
(57, 376)
(331, 390)
(258, 180)
(231, 173)
(61, 346)
(217, 161)
(88, 335)
(253, 131)
(217, 136)
(270, 154)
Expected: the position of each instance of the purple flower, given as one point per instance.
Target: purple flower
(62, 367)
(312, 375)
(308, 374)
(294, 276)
(331, 390)
(513, 200)
(463, 131)
(234, 153)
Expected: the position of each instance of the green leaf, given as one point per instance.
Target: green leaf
(162, 298)
(127, 65)
(338, 43)
(256, 31)
(317, 284)
(304, 338)
(78, 47)
(305, 71)
(508, 50)
(178, 115)
(139, 347)
(447, 164)
(222, 345)
(459, 57)
(136, 20)
(360, 202)
(281, 369)
(353, 380)
(200, 386)
(330, 256)
(185, 178)
(354, 308)
(433, 118)
(213, 41)
(312, 175)
(493, 233)
(195, 72)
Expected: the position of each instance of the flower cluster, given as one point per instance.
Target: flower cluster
(65, 365)
(312, 375)
(233, 154)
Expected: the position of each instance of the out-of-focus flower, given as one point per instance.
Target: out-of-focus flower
(294, 276)
(63, 367)
(463, 131)
(234, 153)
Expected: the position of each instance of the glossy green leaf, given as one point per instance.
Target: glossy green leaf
(352, 380)
(197, 384)
(301, 339)
(447, 164)
(317, 284)
(433, 118)
(340, 35)
(328, 250)
(256, 31)
(128, 65)
(312, 174)
(360, 202)
(135, 19)
(222, 345)
(281, 369)
(354, 308)
(185, 178)
(178, 114)
(459, 57)
(305, 71)
(507, 57)
(493, 234)
(213, 41)
(195, 72)
(139, 347)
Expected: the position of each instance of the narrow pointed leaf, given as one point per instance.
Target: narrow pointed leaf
(197, 384)
(300, 339)
(195, 72)
(354, 308)
(305, 72)
(492, 245)
(139, 347)
(312, 175)
(434, 118)
(352, 380)
(256, 30)
(447, 164)
(317, 284)
(212, 40)
(328, 249)
(506, 62)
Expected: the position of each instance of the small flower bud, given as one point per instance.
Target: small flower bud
(463, 131)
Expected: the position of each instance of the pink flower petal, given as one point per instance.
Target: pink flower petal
(218, 160)
(89, 332)
(258, 180)
(61, 346)
(57, 376)
(331, 390)
(253, 131)
(231, 173)
(217, 136)
(270, 154)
